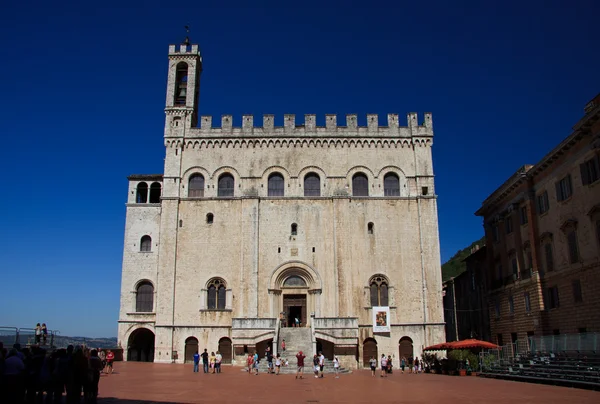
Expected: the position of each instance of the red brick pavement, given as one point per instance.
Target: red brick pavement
(136, 383)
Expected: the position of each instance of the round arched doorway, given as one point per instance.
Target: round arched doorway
(369, 351)
(140, 347)
(191, 347)
(225, 349)
(405, 347)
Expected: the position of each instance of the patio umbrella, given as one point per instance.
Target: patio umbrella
(471, 343)
(438, 347)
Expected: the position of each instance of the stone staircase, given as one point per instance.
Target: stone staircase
(296, 340)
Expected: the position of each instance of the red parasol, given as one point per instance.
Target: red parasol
(471, 343)
(438, 347)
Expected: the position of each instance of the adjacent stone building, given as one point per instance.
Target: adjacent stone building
(542, 230)
(251, 227)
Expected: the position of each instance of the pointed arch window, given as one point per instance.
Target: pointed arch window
(276, 185)
(360, 185)
(312, 185)
(378, 288)
(226, 185)
(217, 294)
(141, 193)
(196, 186)
(391, 185)
(146, 244)
(144, 298)
(181, 80)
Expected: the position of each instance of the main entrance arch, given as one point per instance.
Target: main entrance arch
(294, 291)
(140, 346)
(225, 350)
(405, 346)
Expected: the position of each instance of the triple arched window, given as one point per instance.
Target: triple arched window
(217, 294)
(276, 185)
(360, 185)
(378, 287)
(144, 297)
(196, 186)
(312, 185)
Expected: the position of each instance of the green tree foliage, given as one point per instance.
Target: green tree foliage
(455, 265)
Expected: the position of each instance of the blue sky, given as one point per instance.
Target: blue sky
(83, 88)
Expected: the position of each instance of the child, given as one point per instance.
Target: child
(336, 367)
(277, 364)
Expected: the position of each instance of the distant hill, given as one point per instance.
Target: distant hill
(455, 265)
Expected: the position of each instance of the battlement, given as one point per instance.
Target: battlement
(290, 126)
(183, 50)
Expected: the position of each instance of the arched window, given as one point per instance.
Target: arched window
(294, 281)
(155, 192)
(370, 227)
(146, 244)
(226, 185)
(360, 185)
(142, 193)
(312, 185)
(391, 185)
(196, 186)
(216, 294)
(294, 229)
(181, 79)
(276, 185)
(210, 218)
(379, 291)
(144, 298)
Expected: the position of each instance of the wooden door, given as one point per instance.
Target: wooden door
(369, 350)
(406, 348)
(191, 347)
(225, 350)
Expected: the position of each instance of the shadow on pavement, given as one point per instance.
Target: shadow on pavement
(112, 400)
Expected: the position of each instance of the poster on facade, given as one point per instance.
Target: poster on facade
(381, 319)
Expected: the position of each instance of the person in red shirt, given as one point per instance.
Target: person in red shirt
(110, 358)
(300, 356)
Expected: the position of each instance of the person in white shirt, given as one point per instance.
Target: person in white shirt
(321, 363)
(383, 365)
(336, 367)
(218, 360)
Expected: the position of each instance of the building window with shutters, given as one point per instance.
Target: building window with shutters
(523, 214)
(511, 305)
(276, 185)
(543, 205)
(379, 291)
(391, 185)
(360, 185)
(312, 185)
(552, 297)
(573, 247)
(564, 190)
(590, 170)
(217, 294)
(226, 186)
(508, 224)
(196, 186)
(527, 302)
(549, 257)
(577, 296)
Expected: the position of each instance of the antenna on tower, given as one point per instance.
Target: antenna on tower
(186, 41)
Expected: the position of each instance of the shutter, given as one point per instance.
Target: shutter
(559, 196)
(546, 203)
(585, 179)
(596, 164)
(569, 185)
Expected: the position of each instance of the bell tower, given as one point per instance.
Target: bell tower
(183, 87)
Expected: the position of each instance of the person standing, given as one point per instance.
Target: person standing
(316, 366)
(102, 356)
(44, 333)
(373, 365)
(296, 322)
(321, 363)
(196, 362)
(336, 367)
(269, 356)
(383, 365)
(249, 361)
(410, 364)
(110, 358)
(94, 369)
(277, 364)
(416, 366)
(402, 364)
(283, 346)
(255, 362)
(205, 361)
(300, 370)
(38, 333)
(218, 360)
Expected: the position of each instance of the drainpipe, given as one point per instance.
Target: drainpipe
(454, 307)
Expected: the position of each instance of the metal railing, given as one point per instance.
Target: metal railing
(25, 336)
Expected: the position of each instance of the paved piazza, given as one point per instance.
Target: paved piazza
(136, 383)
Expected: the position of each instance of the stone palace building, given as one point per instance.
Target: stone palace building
(251, 227)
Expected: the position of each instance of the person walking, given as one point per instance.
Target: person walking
(218, 360)
(383, 365)
(277, 364)
(300, 370)
(205, 360)
(321, 364)
(402, 364)
(336, 367)
(196, 362)
(283, 346)
(373, 365)
(416, 365)
(255, 362)
(110, 358)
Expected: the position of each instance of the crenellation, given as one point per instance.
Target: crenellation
(226, 123)
(351, 122)
(289, 122)
(331, 121)
(206, 122)
(372, 122)
(310, 122)
(428, 121)
(268, 122)
(412, 120)
(247, 123)
(392, 121)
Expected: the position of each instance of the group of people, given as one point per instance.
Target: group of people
(32, 375)
(41, 334)
(210, 363)
(275, 362)
(386, 365)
